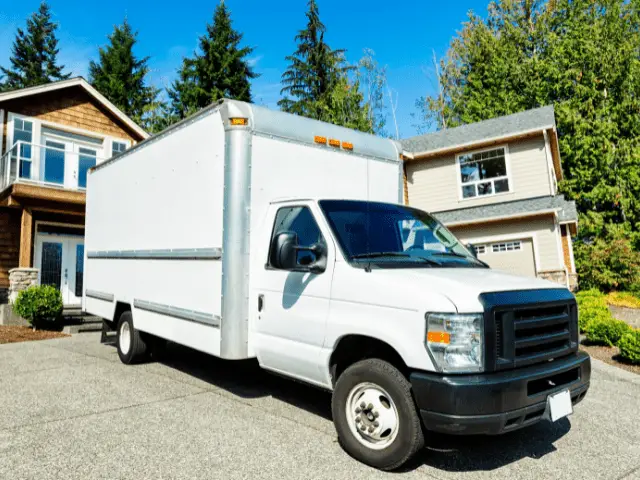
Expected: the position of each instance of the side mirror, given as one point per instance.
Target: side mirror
(284, 254)
(471, 247)
(283, 251)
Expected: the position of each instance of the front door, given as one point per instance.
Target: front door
(293, 307)
(60, 260)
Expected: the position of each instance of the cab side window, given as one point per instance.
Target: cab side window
(300, 221)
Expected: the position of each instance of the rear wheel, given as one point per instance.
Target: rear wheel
(375, 416)
(131, 346)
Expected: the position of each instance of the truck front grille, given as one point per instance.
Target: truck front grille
(526, 333)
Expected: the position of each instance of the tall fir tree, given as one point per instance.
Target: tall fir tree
(34, 54)
(316, 84)
(220, 69)
(121, 77)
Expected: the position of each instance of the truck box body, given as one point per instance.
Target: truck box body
(170, 223)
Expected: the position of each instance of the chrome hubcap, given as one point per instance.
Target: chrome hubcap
(125, 337)
(372, 416)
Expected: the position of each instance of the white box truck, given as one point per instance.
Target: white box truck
(248, 233)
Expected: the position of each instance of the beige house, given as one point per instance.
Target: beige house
(495, 185)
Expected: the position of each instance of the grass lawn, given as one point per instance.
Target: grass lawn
(10, 334)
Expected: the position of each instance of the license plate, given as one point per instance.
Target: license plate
(559, 405)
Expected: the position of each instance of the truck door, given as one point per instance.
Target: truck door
(293, 307)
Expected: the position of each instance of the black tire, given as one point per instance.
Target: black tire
(137, 349)
(409, 438)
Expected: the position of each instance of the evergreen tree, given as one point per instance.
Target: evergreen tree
(120, 76)
(316, 83)
(219, 70)
(34, 54)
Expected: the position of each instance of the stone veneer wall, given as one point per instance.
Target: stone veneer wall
(559, 277)
(21, 279)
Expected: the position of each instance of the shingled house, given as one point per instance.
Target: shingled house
(495, 185)
(50, 136)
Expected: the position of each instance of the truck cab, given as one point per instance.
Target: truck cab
(348, 289)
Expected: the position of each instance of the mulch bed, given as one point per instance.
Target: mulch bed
(26, 334)
(610, 355)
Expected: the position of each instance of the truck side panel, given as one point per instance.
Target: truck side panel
(154, 234)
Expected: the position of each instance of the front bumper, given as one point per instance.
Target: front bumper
(500, 402)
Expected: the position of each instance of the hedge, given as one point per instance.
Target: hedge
(592, 307)
(607, 332)
(629, 346)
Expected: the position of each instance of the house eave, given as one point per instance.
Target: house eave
(501, 218)
(76, 82)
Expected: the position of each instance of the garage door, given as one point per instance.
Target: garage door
(515, 256)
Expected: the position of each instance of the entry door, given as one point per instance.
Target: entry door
(61, 264)
(293, 307)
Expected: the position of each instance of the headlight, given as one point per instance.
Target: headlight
(455, 341)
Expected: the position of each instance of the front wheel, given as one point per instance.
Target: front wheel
(375, 416)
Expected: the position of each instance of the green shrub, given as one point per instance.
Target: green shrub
(623, 299)
(609, 263)
(629, 346)
(607, 332)
(592, 306)
(40, 305)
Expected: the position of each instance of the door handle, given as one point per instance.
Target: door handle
(260, 302)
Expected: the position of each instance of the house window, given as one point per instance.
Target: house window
(23, 132)
(86, 160)
(506, 247)
(483, 173)
(117, 148)
(480, 249)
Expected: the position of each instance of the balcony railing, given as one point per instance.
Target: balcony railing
(47, 165)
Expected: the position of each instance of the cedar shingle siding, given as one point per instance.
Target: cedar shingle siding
(72, 107)
(9, 245)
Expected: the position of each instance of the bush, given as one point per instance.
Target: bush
(592, 307)
(607, 332)
(40, 305)
(609, 263)
(629, 346)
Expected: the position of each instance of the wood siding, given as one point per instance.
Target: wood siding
(72, 107)
(566, 249)
(433, 184)
(543, 229)
(9, 243)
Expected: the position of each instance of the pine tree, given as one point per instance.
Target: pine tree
(120, 75)
(317, 84)
(219, 70)
(34, 53)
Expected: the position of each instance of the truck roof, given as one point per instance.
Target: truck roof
(286, 126)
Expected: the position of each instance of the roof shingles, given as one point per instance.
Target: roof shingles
(529, 120)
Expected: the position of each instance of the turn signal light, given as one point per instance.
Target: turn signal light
(439, 337)
(239, 121)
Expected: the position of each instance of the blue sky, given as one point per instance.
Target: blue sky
(403, 35)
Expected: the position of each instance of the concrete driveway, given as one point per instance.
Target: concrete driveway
(70, 410)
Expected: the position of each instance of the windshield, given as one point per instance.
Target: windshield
(394, 235)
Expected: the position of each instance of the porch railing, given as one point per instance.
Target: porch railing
(46, 165)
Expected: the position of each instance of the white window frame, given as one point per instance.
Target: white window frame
(516, 246)
(508, 177)
(480, 249)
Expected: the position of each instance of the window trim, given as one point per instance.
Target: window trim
(517, 246)
(508, 177)
(267, 265)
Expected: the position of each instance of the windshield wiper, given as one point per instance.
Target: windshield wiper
(394, 254)
(460, 255)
